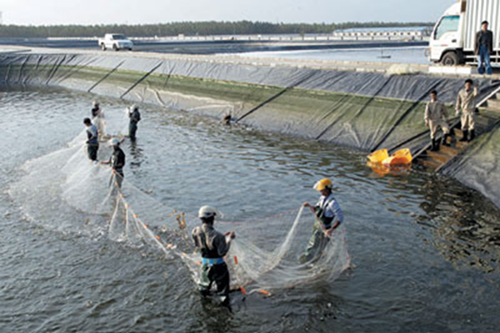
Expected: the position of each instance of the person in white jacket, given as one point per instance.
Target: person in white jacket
(435, 117)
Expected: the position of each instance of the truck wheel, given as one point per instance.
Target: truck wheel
(103, 47)
(450, 59)
(115, 47)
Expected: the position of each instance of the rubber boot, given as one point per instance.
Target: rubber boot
(464, 139)
(437, 144)
(433, 144)
(472, 135)
(445, 138)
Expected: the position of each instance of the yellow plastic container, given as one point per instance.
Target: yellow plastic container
(379, 156)
(401, 157)
(404, 154)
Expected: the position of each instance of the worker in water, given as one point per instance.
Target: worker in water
(484, 48)
(98, 118)
(213, 246)
(436, 116)
(92, 139)
(96, 109)
(134, 116)
(328, 215)
(466, 108)
(227, 119)
(117, 162)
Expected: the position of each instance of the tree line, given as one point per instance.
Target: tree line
(190, 28)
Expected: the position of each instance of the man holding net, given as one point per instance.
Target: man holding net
(329, 216)
(98, 118)
(134, 116)
(92, 139)
(117, 162)
(213, 247)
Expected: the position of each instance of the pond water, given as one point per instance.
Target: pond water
(425, 251)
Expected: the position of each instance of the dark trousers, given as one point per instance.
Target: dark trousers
(132, 130)
(218, 274)
(316, 245)
(92, 149)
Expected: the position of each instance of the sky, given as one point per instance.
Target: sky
(48, 12)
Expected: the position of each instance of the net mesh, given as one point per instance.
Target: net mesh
(65, 191)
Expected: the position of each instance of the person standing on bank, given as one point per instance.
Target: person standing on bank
(135, 117)
(484, 48)
(465, 108)
(92, 139)
(436, 116)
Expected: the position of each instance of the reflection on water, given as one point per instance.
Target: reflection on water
(425, 249)
(466, 228)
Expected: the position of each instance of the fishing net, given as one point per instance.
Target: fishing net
(66, 191)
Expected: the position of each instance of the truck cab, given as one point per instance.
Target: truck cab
(446, 42)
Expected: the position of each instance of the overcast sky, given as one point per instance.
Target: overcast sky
(36, 12)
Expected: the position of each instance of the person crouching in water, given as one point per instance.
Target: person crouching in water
(134, 116)
(329, 216)
(213, 247)
(117, 162)
(92, 139)
(436, 116)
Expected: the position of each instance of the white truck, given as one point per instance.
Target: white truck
(115, 42)
(454, 36)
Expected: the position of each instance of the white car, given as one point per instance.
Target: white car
(115, 42)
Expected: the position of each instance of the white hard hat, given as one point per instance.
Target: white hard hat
(134, 107)
(207, 212)
(114, 142)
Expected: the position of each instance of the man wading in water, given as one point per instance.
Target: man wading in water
(92, 139)
(328, 218)
(135, 117)
(213, 247)
(117, 162)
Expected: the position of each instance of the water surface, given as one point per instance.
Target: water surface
(425, 250)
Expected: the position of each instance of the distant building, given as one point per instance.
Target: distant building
(416, 32)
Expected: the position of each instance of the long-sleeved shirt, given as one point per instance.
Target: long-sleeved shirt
(211, 243)
(331, 208)
(466, 100)
(135, 116)
(484, 38)
(435, 111)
